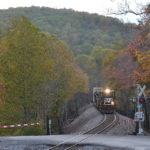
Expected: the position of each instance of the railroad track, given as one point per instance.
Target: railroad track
(106, 125)
(108, 122)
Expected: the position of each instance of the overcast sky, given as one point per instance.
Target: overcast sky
(91, 6)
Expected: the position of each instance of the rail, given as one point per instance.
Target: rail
(107, 123)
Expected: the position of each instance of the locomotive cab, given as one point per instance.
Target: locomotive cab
(105, 100)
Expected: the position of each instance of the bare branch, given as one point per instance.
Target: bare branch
(124, 8)
(124, 12)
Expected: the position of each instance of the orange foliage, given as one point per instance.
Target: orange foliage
(120, 71)
(140, 51)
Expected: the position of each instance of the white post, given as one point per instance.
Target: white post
(49, 123)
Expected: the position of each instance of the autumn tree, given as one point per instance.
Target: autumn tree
(24, 66)
(140, 50)
(130, 66)
(88, 65)
(99, 53)
(38, 74)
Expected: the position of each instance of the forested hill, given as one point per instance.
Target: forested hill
(80, 30)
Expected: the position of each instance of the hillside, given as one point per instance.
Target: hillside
(80, 30)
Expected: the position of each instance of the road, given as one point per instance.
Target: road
(117, 138)
(98, 141)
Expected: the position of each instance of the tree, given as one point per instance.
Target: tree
(80, 30)
(86, 63)
(139, 50)
(120, 70)
(24, 66)
(99, 55)
(38, 74)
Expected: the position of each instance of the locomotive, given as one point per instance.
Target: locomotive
(104, 99)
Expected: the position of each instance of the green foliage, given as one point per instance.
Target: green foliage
(24, 66)
(38, 75)
(100, 53)
(33, 130)
(87, 63)
(80, 30)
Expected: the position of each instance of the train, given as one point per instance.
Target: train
(104, 99)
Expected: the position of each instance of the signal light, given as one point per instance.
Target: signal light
(142, 100)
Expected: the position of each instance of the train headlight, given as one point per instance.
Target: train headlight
(112, 103)
(107, 91)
